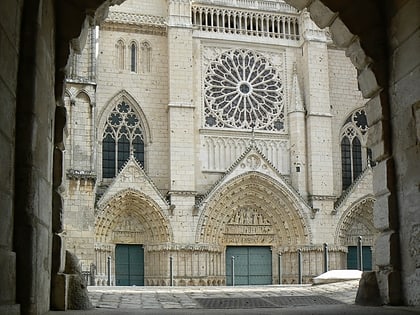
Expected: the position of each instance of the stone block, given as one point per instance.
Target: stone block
(59, 289)
(60, 124)
(406, 56)
(6, 156)
(78, 298)
(299, 4)
(58, 254)
(6, 223)
(7, 113)
(405, 91)
(13, 309)
(405, 22)
(368, 83)
(57, 213)
(321, 14)
(374, 110)
(357, 55)
(389, 283)
(341, 35)
(387, 250)
(7, 276)
(383, 177)
(385, 212)
(368, 293)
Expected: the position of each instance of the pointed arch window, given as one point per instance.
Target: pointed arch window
(133, 57)
(123, 135)
(120, 52)
(146, 56)
(353, 139)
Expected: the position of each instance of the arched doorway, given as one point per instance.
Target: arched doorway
(126, 226)
(253, 218)
(358, 222)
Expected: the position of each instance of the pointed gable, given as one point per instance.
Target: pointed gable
(253, 161)
(133, 177)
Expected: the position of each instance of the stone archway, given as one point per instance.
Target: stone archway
(262, 200)
(358, 221)
(253, 210)
(364, 30)
(130, 218)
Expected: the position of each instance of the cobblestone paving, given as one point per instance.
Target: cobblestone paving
(185, 297)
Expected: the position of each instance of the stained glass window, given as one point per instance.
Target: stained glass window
(133, 63)
(123, 135)
(353, 139)
(243, 90)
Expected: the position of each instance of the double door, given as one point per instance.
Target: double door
(129, 265)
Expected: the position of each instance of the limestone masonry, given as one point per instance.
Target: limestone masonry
(205, 130)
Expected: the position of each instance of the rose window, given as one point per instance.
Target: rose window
(243, 90)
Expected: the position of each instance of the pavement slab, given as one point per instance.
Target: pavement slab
(331, 298)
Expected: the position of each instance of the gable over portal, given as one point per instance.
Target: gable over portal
(252, 204)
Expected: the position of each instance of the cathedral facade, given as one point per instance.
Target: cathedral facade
(205, 135)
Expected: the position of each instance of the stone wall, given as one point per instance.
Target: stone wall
(10, 21)
(405, 118)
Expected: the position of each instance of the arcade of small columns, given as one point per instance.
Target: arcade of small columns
(251, 210)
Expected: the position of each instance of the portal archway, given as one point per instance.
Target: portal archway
(253, 215)
(358, 221)
(128, 220)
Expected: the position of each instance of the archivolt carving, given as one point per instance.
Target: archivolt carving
(357, 220)
(131, 217)
(253, 209)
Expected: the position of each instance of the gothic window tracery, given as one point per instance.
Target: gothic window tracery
(123, 134)
(243, 90)
(353, 140)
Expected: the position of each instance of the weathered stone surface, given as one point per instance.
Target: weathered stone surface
(368, 293)
(77, 298)
(59, 291)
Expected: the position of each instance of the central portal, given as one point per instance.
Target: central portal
(252, 265)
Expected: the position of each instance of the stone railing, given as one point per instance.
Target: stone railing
(263, 5)
(242, 22)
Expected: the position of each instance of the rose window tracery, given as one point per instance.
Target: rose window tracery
(242, 89)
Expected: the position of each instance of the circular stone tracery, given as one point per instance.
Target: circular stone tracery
(243, 90)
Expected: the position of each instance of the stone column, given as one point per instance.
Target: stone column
(297, 130)
(181, 118)
(318, 124)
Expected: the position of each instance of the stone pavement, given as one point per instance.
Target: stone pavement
(334, 298)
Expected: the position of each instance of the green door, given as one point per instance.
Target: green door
(252, 265)
(366, 256)
(129, 265)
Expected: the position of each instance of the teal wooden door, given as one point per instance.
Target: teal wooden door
(366, 256)
(129, 264)
(252, 265)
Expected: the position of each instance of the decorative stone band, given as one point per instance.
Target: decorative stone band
(81, 174)
(149, 24)
(184, 247)
(311, 248)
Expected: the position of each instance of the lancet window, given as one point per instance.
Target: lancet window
(354, 154)
(133, 57)
(123, 135)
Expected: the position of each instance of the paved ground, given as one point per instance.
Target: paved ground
(336, 298)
